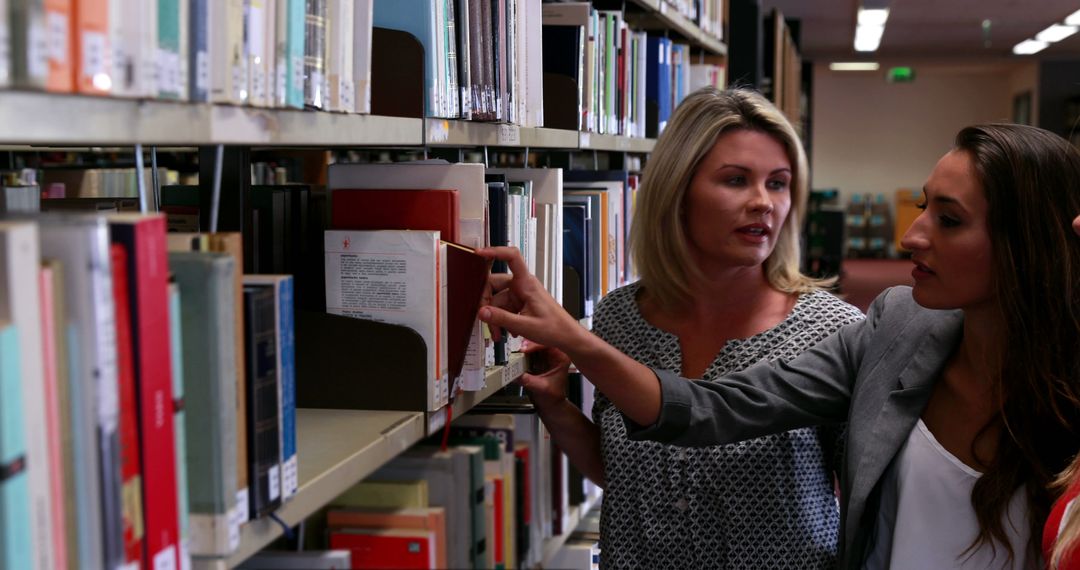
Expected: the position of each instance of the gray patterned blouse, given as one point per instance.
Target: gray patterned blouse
(763, 503)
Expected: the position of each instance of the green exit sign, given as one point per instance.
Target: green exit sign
(900, 75)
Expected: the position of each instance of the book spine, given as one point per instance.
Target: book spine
(287, 345)
(199, 60)
(264, 452)
(315, 53)
(61, 78)
(29, 44)
(130, 464)
(144, 241)
(183, 550)
(168, 49)
(92, 60)
(15, 538)
(208, 330)
(57, 433)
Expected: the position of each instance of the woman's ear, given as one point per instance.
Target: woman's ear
(1076, 225)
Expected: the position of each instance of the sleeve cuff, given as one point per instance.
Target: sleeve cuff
(674, 420)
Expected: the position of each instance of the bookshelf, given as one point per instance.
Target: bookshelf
(337, 448)
(342, 447)
(669, 18)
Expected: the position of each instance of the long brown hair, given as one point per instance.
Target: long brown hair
(1031, 178)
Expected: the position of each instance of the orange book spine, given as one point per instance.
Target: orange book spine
(59, 30)
(92, 50)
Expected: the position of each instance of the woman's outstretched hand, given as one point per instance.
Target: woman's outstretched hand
(518, 303)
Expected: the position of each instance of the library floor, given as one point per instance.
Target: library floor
(864, 279)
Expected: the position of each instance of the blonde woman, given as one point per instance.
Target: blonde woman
(715, 239)
(1062, 531)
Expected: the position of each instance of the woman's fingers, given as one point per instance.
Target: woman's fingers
(510, 255)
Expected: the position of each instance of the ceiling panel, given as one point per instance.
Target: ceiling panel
(930, 28)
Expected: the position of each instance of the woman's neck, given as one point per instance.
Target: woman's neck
(736, 295)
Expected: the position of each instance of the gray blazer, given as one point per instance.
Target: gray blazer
(877, 374)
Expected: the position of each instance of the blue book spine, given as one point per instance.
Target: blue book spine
(199, 66)
(15, 542)
(179, 419)
(294, 59)
(290, 479)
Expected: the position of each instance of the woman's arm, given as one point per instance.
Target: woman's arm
(812, 389)
(570, 429)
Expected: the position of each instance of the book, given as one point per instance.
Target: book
(19, 278)
(29, 47)
(230, 243)
(227, 52)
(58, 33)
(264, 447)
(183, 540)
(130, 460)
(170, 84)
(16, 543)
(362, 37)
(386, 549)
(81, 244)
(466, 277)
(393, 209)
(290, 65)
(206, 283)
(397, 277)
(57, 420)
(340, 50)
(282, 287)
(385, 495)
(20, 198)
(143, 238)
(315, 53)
(450, 479)
(198, 58)
(416, 518)
(306, 560)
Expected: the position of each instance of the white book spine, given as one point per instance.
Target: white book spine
(5, 45)
(19, 276)
(362, 30)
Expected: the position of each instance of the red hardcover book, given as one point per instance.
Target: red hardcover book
(143, 240)
(130, 468)
(500, 522)
(386, 548)
(397, 210)
(466, 277)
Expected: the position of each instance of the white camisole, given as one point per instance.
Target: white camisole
(926, 519)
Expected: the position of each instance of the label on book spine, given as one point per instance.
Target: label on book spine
(57, 26)
(280, 74)
(297, 79)
(274, 483)
(94, 56)
(202, 70)
(166, 559)
(37, 52)
(243, 507)
(290, 477)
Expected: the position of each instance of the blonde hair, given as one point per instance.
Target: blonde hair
(1066, 540)
(658, 237)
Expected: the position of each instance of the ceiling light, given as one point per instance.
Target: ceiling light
(1028, 47)
(873, 17)
(1073, 19)
(1055, 33)
(854, 66)
(868, 38)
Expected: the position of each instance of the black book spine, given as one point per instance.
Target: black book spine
(263, 446)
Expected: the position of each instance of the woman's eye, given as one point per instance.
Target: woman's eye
(921, 206)
(948, 222)
(736, 180)
(778, 184)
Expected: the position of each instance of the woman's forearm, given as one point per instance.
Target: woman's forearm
(576, 436)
